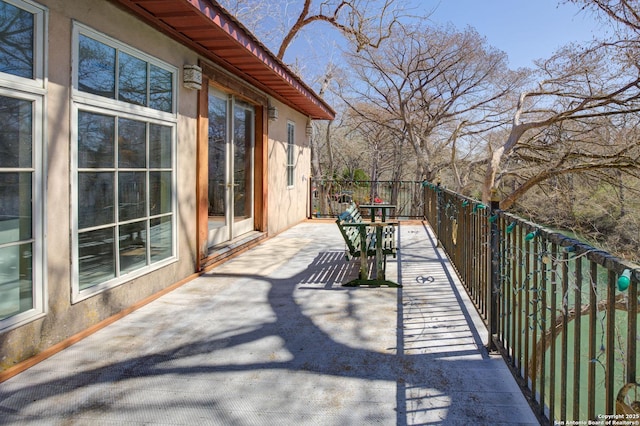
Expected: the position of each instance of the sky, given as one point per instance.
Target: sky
(525, 29)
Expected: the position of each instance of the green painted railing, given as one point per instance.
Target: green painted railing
(562, 313)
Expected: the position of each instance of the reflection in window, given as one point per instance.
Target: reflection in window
(15, 132)
(22, 52)
(96, 134)
(16, 41)
(159, 192)
(95, 198)
(291, 166)
(16, 207)
(132, 143)
(16, 277)
(131, 195)
(161, 89)
(217, 155)
(161, 238)
(159, 146)
(96, 257)
(96, 68)
(136, 82)
(124, 176)
(242, 148)
(133, 246)
(132, 80)
(126, 198)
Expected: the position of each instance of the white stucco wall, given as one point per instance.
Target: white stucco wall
(63, 319)
(288, 205)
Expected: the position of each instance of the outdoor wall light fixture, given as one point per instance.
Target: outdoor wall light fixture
(272, 113)
(192, 77)
(309, 130)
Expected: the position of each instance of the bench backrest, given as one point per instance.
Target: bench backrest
(350, 233)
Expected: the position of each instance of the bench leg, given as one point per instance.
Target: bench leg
(379, 255)
(381, 263)
(364, 269)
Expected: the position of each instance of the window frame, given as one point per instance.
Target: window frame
(40, 49)
(33, 90)
(291, 143)
(87, 102)
(79, 96)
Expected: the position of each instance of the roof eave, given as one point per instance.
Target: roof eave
(245, 56)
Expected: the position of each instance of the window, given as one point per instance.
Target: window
(132, 80)
(113, 71)
(124, 156)
(22, 27)
(291, 167)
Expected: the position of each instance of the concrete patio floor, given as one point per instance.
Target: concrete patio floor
(272, 338)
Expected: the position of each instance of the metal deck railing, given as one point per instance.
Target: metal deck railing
(564, 314)
(328, 197)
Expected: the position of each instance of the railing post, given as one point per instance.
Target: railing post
(494, 274)
(310, 211)
(439, 203)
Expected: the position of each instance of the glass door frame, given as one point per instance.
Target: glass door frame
(219, 230)
(241, 224)
(238, 139)
(222, 82)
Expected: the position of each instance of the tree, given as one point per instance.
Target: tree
(583, 86)
(592, 148)
(625, 12)
(426, 82)
(365, 23)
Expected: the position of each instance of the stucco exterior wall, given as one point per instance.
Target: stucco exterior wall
(288, 205)
(63, 319)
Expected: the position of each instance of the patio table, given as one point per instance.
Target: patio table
(374, 207)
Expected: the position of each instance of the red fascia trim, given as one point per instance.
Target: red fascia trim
(239, 34)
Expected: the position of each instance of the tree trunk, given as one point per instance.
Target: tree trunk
(490, 177)
(517, 130)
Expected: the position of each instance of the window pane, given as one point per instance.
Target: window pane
(159, 146)
(132, 138)
(132, 79)
(16, 280)
(217, 133)
(96, 257)
(15, 132)
(242, 160)
(96, 134)
(16, 41)
(159, 192)
(290, 144)
(96, 68)
(161, 240)
(131, 195)
(133, 246)
(161, 93)
(15, 207)
(95, 199)
(290, 154)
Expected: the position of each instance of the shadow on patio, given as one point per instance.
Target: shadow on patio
(271, 337)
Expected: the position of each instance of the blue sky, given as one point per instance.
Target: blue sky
(524, 29)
